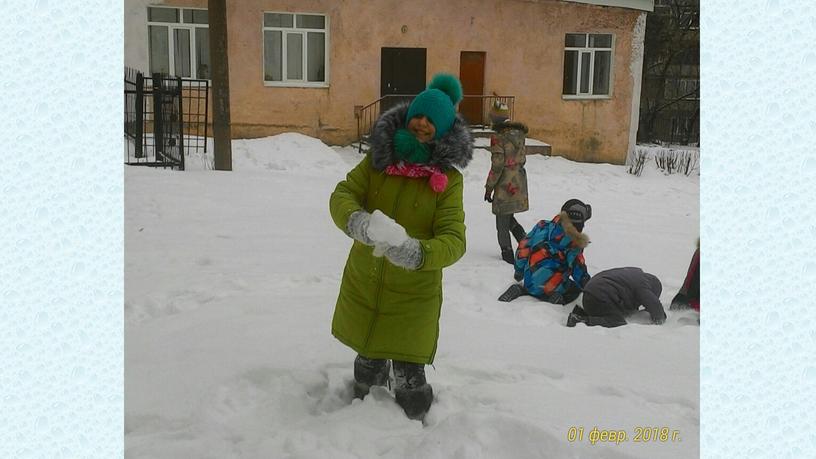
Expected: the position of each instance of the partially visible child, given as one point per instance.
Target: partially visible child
(613, 294)
(550, 260)
(689, 294)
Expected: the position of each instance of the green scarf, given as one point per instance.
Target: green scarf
(409, 148)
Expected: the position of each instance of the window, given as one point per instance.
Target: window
(587, 64)
(178, 41)
(294, 49)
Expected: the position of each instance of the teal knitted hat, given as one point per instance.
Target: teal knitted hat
(437, 102)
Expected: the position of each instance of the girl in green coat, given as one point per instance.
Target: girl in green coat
(391, 291)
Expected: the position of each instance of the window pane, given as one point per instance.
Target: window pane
(202, 38)
(308, 21)
(585, 72)
(181, 52)
(600, 79)
(278, 20)
(195, 16)
(201, 17)
(294, 56)
(570, 71)
(162, 15)
(576, 40)
(316, 63)
(158, 44)
(273, 52)
(600, 41)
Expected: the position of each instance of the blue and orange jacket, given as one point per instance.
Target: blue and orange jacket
(551, 258)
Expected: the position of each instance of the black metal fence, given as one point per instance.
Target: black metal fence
(165, 119)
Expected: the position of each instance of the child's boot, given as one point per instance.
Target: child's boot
(413, 393)
(512, 292)
(577, 315)
(369, 372)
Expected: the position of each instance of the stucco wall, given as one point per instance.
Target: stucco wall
(523, 42)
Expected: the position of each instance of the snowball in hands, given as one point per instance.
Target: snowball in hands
(385, 232)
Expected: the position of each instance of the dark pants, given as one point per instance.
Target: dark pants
(506, 224)
(568, 297)
(601, 313)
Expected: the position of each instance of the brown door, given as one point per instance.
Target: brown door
(471, 73)
(402, 73)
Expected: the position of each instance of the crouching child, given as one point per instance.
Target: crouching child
(550, 260)
(613, 294)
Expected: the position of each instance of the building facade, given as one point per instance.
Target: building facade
(574, 67)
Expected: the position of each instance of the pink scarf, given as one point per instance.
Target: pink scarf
(438, 180)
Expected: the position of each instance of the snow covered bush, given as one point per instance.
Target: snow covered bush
(672, 161)
(668, 159)
(688, 161)
(638, 160)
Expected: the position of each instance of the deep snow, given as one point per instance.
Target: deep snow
(230, 284)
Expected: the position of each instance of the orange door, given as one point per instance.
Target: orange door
(471, 73)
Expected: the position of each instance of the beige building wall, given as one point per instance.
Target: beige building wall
(524, 45)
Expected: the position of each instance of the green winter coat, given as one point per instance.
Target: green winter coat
(507, 178)
(384, 311)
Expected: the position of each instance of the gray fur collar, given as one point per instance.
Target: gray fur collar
(454, 149)
(578, 238)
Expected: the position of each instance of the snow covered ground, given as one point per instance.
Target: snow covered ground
(230, 285)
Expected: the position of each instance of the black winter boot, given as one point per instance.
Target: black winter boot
(412, 392)
(369, 372)
(508, 256)
(512, 292)
(577, 315)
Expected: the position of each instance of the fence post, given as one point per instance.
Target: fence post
(158, 118)
(181, 121)
(206, 110)
(139, 108)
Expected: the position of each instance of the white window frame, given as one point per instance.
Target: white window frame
(591, 51)
(286, 83)
(171, 26)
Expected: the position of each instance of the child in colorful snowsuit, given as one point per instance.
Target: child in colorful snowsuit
(506, 186)
(613, 294)
(388, 308)
(550, 260)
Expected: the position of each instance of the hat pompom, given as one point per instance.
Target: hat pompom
(438, 182)
(448, 84)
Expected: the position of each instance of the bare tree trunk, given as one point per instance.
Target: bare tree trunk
(220, 79)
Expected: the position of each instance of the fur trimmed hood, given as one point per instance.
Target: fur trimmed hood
(454, 149)
(579, 239)
(507, 125)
